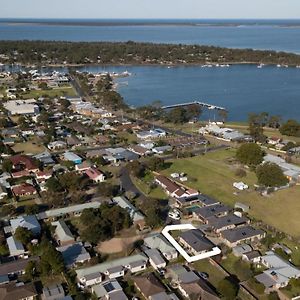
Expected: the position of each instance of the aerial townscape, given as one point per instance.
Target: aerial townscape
(149, 156)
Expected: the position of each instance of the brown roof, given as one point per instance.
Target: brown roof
(139, 149)
(16, 266)
(23, 160)
(12, 292)
(169, 184)
(23, 189)
(148, 285)
(199, 289)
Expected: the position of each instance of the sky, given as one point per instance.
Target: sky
(153, 9)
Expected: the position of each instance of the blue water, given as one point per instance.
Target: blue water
(240, 89)
(272, 35)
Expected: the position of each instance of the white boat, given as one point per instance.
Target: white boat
(260, 66)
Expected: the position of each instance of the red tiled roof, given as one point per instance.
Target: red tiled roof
(23, 160)
(93, 173)
(23, 189)
(19, 174)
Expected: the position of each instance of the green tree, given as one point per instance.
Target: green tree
(155, 163)
(7, 165)
(250, 154)
(53, 185)
(290, 128)
(32, 209)
(31, 270)
(270, 175)
(136, 169)
(23, 235)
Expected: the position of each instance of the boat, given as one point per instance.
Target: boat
(260, 66)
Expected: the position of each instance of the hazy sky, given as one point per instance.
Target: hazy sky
(150, 9)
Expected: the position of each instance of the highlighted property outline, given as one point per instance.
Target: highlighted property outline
(186, 256)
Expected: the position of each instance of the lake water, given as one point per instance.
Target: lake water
(272, 35)
(240, 89)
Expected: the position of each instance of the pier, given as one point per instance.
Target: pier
(203, 104)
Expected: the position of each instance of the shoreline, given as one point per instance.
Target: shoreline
(172, 65)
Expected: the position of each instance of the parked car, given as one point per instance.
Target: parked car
(174, 215)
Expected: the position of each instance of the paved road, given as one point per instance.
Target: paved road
(128, 185)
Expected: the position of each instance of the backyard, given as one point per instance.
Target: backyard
(214, 173)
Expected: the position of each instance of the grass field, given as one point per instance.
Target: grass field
(29, 148)
(144, 188)
(214, 174)
(66, 91)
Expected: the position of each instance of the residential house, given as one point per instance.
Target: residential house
(53, 292)
(23, 163)
(18, 291)
(148, 285)
(252, 256)
(57, 145)
(62, 233)
(16, 267)
(74, 254)
(110, 290)
(84, 166)
(241, 249)
(279, 272)
(14, 246)
(229, 221)
(151, 134)
(175, 190)
(67, 211)
(203, 213)
(70, 156)
(233, 237)
(95, 174)
(112, 269)
(73, 141)
(162, 149)
(29, 222)
(206, 200)
(141, 151)
(195, 241)
(24, 189)
(135, 215)
(155, 259)
(158, 241)
(45, 158)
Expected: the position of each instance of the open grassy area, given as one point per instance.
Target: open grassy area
(144, 187)
(66, 91)
(214, 174)
(215, 276)
(28, 148)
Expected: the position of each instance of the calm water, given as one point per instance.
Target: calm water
(240, 89)
(273, 35)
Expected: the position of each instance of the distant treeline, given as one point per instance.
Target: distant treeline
(52, 52)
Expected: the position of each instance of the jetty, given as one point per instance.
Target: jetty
(203, 104)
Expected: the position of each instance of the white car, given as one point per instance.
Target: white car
(174, 215)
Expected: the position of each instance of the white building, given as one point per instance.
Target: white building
(22, 107)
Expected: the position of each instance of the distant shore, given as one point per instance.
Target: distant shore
(150, 22)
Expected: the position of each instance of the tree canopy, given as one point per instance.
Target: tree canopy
(250, 154)
(270, 175)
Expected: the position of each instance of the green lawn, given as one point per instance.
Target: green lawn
(144, 187)
(66, 91)
(214, 174)
(215, 276)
